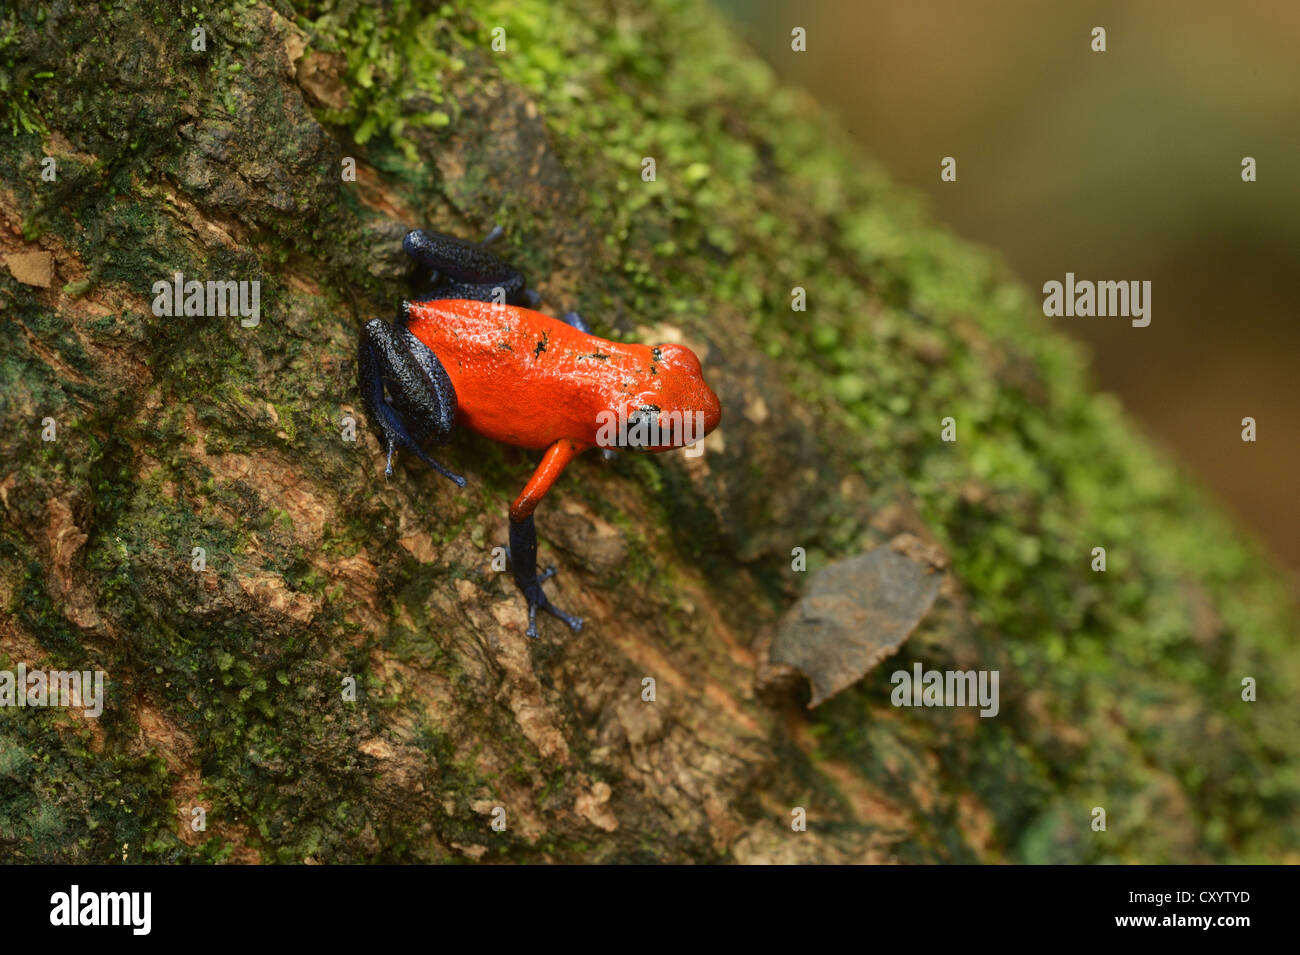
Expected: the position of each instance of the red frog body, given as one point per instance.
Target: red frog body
(471, 355)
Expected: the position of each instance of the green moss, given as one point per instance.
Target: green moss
(398, 60)
(19, 83)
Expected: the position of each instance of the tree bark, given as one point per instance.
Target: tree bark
(228, 686)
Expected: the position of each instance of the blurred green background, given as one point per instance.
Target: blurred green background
(1117, 165)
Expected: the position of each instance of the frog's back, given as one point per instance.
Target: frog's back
(524, 378)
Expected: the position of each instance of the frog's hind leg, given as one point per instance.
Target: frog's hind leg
(456, 268)
(523, 535)
(523, 561)
(420, 404)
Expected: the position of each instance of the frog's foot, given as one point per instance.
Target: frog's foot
(396, 436)
(537, 601)
(523, 563)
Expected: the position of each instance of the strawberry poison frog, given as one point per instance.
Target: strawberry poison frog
(468, 352)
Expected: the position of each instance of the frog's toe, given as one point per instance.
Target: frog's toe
(575, 623)
(537, 600)
(397, 436)
(427, 459)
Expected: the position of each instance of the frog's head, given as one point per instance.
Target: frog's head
(676, 408)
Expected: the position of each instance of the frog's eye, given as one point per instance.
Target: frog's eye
(643, 428)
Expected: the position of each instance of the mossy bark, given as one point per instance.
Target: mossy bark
(225, 687)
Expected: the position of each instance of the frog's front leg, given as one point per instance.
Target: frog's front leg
(523, 534)
(419, 403)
